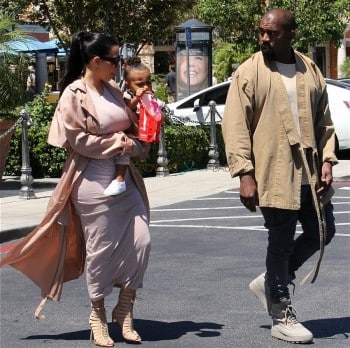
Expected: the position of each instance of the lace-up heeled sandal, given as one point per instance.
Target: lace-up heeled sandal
(98, 324)
(123, 314)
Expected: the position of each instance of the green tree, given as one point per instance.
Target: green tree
(12, 67)
(236, 20)
(228, 56)
(318, 21)
(130, 21)
(345, 68)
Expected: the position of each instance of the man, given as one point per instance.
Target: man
(279, 140)
(31, 79)
(170, 82)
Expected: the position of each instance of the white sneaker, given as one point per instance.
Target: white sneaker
(285, 325)
(261, 290)
(115, 188)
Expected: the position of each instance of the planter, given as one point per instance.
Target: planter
(5, 141)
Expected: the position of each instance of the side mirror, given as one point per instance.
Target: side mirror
(196, 105)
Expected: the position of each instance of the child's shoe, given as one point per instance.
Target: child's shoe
(115, 188)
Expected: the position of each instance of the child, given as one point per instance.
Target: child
(137, 78)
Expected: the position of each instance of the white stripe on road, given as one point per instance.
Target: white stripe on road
(246, 228)
(216, 198)
(225, 208)
(208, 218)
(255, 228)
(191, 209)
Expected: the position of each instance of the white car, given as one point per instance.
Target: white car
(195, 108)
(339, 105)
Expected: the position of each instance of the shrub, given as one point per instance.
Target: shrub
(45, 160)
(345, 68)
(187, 147)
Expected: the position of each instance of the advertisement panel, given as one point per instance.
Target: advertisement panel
(192, 69)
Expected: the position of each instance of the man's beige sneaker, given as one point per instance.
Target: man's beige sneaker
(261, 290)
(285, 325)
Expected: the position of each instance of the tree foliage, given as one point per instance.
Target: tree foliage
(228, 56)
(12, 67)
(130, 21)
(236, 20)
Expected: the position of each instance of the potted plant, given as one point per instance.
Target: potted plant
(12, 83)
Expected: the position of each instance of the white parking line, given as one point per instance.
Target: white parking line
(187, 209)
(209, 218)
(223, 208)
(245, 228)
(254, 228)
(237, 198)
(216, 198)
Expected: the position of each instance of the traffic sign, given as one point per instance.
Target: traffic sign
(188, 37)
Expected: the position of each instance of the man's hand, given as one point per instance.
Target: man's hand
(326, 178)
(248, 192)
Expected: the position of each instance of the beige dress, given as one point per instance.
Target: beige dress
(115, 228)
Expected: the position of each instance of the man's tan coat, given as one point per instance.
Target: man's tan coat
(260, 133)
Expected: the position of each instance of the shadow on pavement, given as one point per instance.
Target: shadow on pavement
(150, 330)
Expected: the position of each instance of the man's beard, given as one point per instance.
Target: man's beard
(267, 51)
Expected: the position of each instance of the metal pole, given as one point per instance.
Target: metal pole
(26, 179)
(213, 147)
(162, 159)
(188, 71)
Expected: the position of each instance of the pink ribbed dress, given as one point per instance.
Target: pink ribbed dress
(115, 228)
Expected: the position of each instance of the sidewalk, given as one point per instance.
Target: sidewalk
(19, 216)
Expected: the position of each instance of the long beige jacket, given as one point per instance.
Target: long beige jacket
(54, 252)
(260, 133)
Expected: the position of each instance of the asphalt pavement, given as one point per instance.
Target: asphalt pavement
(206, 248)
(20, 215)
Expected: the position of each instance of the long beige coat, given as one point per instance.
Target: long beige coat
(260, 133)
(54, 252)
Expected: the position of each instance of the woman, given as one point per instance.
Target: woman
(90, 121)
(196, 71)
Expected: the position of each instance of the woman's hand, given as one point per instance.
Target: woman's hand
(129, 144)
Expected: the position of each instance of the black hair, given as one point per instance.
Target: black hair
(132, 63)
(84, 46)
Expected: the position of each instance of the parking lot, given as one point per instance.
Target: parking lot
(205, 251)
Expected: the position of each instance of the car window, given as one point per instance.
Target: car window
(188, 103)
(218, 95)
